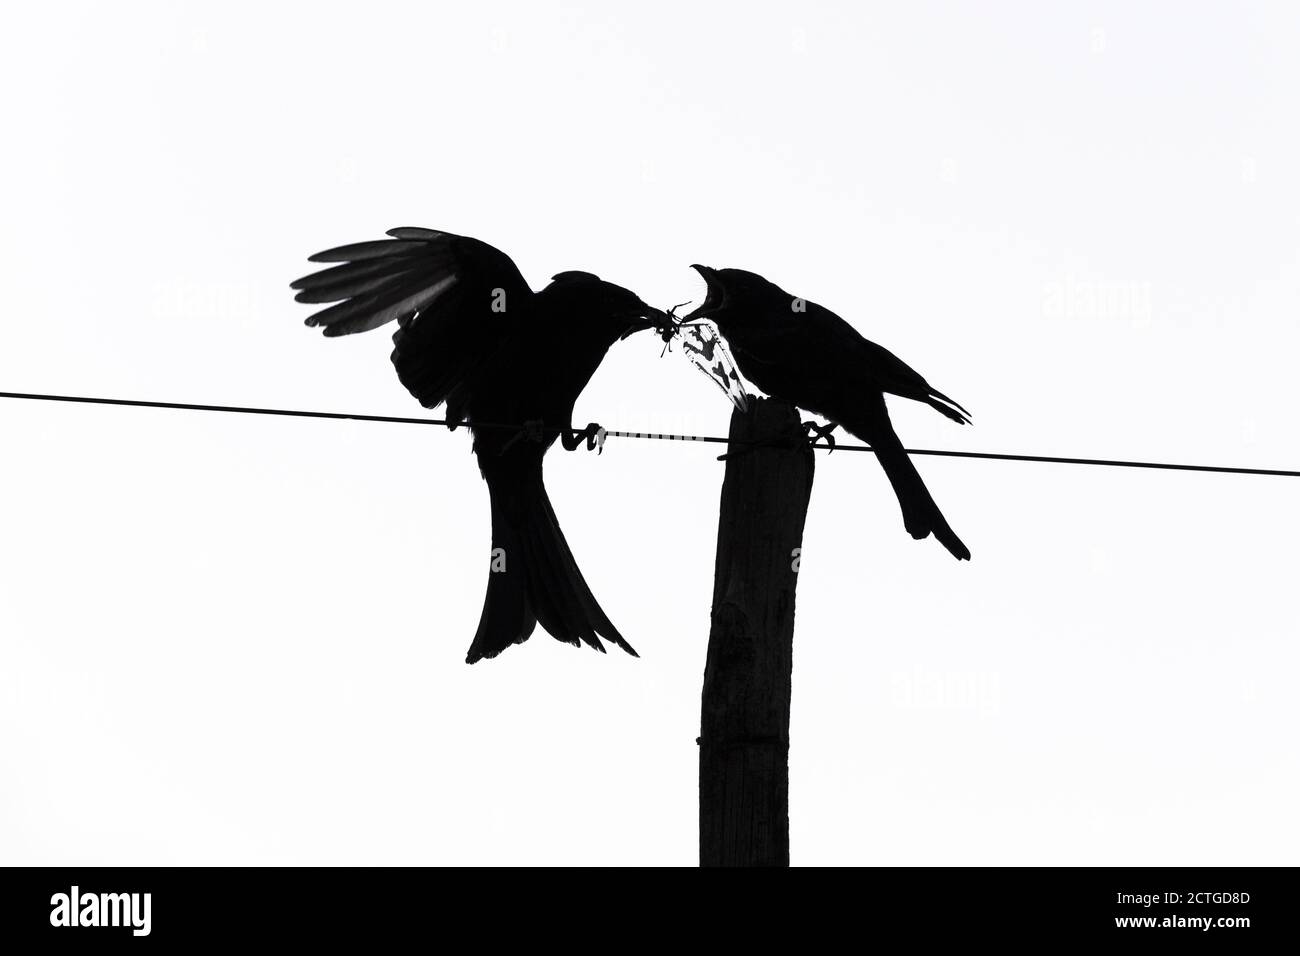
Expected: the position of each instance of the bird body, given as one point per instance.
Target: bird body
(473, 335)
(800, 352)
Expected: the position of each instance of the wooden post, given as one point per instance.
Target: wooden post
(745, 713)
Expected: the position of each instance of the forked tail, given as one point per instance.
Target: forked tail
(534, 577)
(921, 516)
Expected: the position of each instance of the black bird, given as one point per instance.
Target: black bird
(799, 352)
(473, 335)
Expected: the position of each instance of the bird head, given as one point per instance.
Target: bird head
(614, 310)
(734, 296)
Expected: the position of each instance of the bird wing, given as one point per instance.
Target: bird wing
(856, 356)
(457, 301)
(814, 354)
(895, 376)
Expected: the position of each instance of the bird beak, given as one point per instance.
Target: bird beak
(650, 318)
(713, 299)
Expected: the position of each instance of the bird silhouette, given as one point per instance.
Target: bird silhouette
(802, 353)
(473, 335)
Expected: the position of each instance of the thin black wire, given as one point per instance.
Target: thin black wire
(347, 416)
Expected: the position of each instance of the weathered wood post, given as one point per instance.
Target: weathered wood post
(745, 713)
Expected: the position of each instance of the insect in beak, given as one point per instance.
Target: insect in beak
(669, 329)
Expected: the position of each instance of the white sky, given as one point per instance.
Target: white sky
(226, 639)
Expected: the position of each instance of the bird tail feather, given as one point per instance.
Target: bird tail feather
(534, 578)
(921, 516)
(943, 404)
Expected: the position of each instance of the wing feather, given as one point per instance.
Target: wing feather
(363, 285)
(360, 251)
(414, 232)
(370, 312)
(343, 273)
(455, 299)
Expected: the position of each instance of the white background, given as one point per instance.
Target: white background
(229, 639)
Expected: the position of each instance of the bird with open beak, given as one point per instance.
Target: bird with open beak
(797, 351)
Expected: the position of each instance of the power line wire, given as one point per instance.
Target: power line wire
(659, 436)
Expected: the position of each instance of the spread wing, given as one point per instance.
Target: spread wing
(456, 301)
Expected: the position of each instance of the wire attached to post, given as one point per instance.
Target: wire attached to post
(654, 436)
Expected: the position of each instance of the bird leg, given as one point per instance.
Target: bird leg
(594, 434)
(811, 428)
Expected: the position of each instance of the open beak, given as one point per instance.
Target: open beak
(713, 299)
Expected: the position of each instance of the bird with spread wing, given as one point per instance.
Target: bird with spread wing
(472, 335)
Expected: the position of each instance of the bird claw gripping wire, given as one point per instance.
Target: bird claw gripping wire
(817, 432)
(593, 433)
